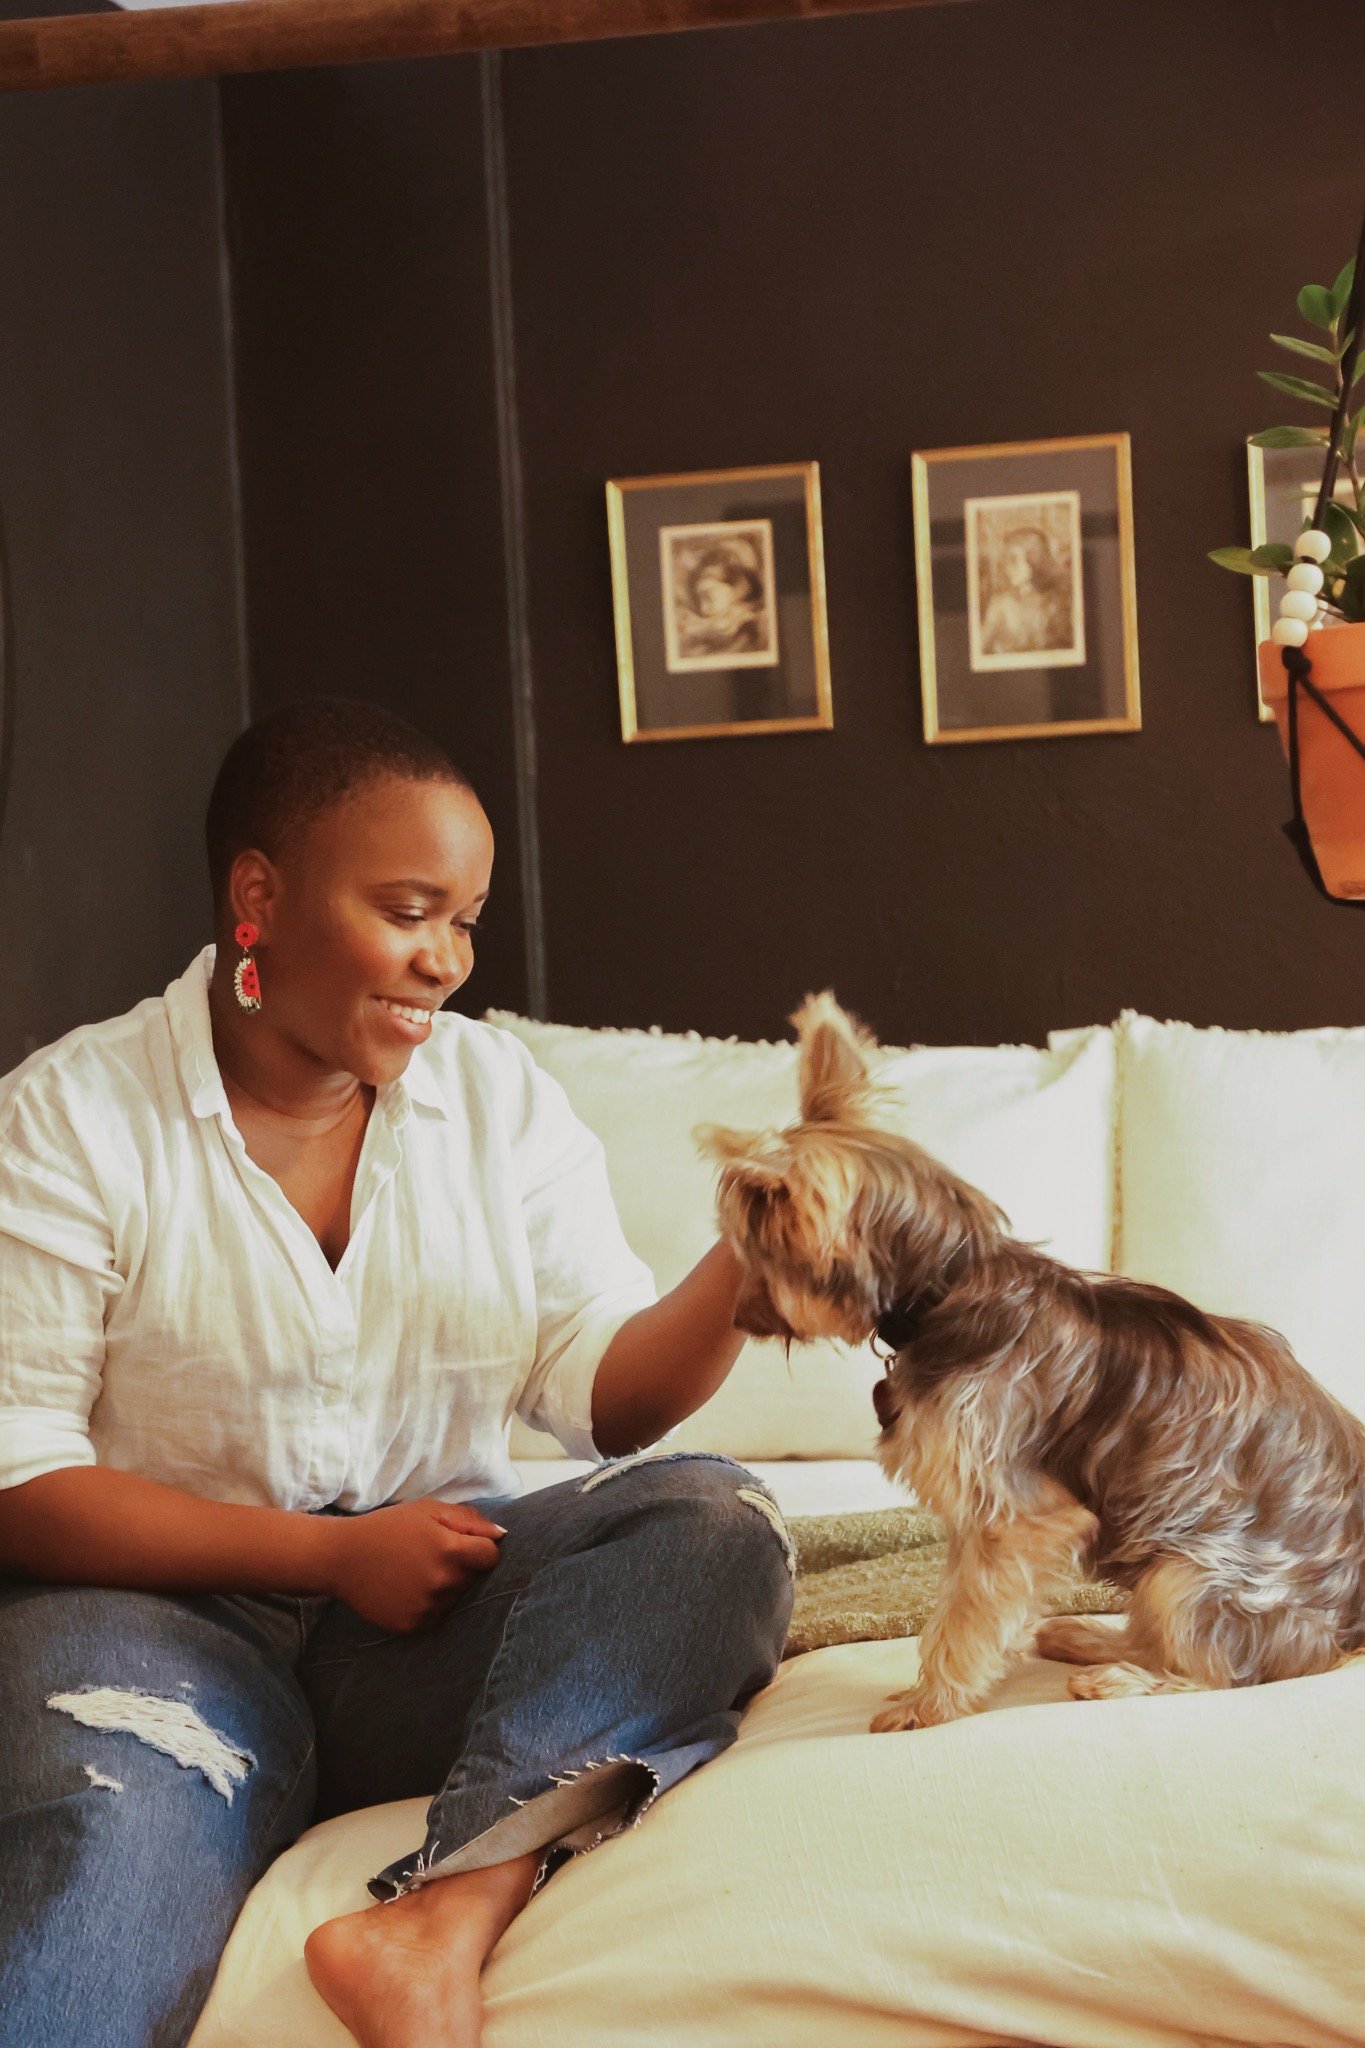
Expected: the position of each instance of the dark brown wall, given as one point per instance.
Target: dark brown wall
(843, 240)
(118, 521)
(851, 239)
(373, 507)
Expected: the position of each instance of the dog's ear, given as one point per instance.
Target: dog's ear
(836, 1065)
(746, 1152)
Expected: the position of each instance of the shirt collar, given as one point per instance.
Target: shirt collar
(187, 1013)
(419, 1082)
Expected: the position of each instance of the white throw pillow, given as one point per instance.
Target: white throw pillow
(1242, 1181)
(1033, 1128)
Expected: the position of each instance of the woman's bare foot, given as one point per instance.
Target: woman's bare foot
(406, 1974)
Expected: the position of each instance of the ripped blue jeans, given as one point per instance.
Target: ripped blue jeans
(159, 1750)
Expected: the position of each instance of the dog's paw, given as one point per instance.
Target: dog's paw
(1072, 1639)
(1116, 1682)
(910, 1709)
(899, 1712)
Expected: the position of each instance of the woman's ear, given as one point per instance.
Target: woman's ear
(836, 1066)
(253, 891)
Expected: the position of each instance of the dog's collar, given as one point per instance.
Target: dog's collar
(899, 1325)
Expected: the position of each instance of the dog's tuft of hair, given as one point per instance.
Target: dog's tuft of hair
(837, 1054)
(1054, 1419)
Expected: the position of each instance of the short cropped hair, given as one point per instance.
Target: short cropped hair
(286, 769)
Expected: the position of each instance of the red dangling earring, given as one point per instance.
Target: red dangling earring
(246, 980)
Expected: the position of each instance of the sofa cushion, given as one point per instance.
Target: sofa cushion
(1242, 1180)
(1179, 1872)
(1034, 1128)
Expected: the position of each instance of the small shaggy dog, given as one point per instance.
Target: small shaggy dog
(1056, 1420)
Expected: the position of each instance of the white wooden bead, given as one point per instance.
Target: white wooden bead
(1305, 576)
(1289, 632)
(1313, 545)
(1297, 604)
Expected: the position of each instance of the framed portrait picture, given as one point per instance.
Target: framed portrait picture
(1027, 590)
(718, 587)
(1282, 484)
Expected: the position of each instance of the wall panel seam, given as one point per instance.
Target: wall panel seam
(234, 438)
(511, 480)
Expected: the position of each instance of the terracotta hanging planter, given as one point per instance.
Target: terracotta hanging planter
(1331, 771)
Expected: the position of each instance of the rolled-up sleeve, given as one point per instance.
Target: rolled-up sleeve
(588, 1281)
(58, 1278)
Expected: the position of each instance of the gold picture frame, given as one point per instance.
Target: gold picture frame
(1026, 587)
(1282, 491)
(718, 596)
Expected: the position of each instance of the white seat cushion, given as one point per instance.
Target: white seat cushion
(1176, 1872)
(1242, 1181)
(1033, 1127)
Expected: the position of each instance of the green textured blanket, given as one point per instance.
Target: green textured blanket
(861, 1578)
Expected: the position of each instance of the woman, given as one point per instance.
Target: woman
(1030, 609)
(283, 1250)
(722, 609)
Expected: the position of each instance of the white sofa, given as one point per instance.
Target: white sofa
(1132, 1874)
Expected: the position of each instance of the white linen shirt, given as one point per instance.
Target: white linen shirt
(164, 1309)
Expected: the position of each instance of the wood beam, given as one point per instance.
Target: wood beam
(272, 35)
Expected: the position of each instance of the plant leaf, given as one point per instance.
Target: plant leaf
(1290, 437)
(1340, 292)
(1298, 387)
(1246, 560)
(1305, 348)
(1315, 304)
(1341, 528)
(1274, 556)
(1352, 594)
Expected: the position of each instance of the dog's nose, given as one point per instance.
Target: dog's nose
(884, 1402)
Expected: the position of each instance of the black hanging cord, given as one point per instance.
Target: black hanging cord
(1298, 668)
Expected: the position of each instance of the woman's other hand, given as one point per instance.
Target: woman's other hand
(401, 1567)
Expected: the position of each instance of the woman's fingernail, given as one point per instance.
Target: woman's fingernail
(498, 1526)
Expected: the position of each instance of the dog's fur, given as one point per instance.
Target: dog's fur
(1056, 1420)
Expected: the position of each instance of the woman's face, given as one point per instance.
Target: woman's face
(1018, 565)
(715, 598)
(367, 923)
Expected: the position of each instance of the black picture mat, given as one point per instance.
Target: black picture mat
(1042, 696)
(723, 696)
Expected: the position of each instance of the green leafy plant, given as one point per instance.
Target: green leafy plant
(1322, 307)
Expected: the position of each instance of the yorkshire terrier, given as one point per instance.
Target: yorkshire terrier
(1057, 1421)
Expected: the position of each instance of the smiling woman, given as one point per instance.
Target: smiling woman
(361, 856)
(284, 1250)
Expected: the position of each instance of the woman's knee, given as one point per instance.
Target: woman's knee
(148, 1756)
(707, 1508)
